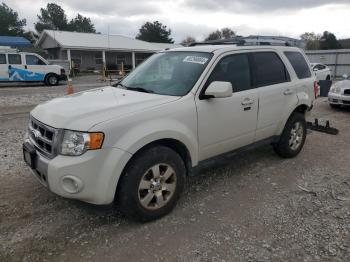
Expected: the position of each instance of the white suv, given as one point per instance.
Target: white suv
(137, 141)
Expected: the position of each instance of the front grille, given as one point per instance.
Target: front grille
(347, 92)
(43, 137)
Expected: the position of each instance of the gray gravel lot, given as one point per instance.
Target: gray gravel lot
(255, 207)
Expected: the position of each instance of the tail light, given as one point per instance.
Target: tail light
(316, 89)
(63, 72)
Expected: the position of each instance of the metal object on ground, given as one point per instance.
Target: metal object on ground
(316, 126)
(325, 85)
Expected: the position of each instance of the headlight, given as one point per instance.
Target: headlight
(77, 143)
(335, 89)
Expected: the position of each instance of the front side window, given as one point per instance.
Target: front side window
(269, 69)
(14, 59)
(2, 59)
(234, 69)
(168, 73)
(299, 64)
(34, 60)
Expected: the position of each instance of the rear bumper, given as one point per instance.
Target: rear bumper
(338, 99)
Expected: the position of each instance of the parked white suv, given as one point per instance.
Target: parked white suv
(136, 142)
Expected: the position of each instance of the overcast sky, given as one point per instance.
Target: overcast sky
(198, 17)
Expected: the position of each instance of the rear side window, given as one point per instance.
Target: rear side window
(2, 59)
(14, 59)
(234, 69)
(269, 69)
(299, 64)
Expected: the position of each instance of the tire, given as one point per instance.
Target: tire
(51, 80)
(142, 199)
(328, 77)
(289, 146)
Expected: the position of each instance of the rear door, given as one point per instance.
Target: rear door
(36, 67)
(276, 93)
(4, 74)
(16, 69)
(303, 76)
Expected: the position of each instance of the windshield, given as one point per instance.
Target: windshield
(168, 73)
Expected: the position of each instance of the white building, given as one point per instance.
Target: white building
(90, 51)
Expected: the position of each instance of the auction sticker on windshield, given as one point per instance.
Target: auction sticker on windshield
(195, 59)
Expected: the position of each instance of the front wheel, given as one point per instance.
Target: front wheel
(151, 184)
(51, 80)
(293, 137)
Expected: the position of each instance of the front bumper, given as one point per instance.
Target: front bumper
(62, 77)
(338, 99)
(91, 177)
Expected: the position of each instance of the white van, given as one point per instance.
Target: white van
(28, 67)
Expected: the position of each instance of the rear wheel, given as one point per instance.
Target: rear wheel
(151, 184)
(293, 137)
(51, 80)
(328, 77)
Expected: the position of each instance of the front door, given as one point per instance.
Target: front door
(16, 69)
(35, 67)
(225, 124)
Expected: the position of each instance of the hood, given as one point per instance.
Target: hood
(343, 84)
(83, 110)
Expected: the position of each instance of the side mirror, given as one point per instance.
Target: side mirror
(218, 89)
(345, 76)
(315, 69)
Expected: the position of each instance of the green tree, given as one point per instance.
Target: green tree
(82, 24)
(155, 32)
(188, 40)
(216, 35)
(224, 33)
(312, 40)
(227, 33)
(329, 41)
(52, 17)
(10, 24)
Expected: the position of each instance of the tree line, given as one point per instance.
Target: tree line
(53, 17)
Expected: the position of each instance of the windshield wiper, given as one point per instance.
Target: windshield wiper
(139, 89)
(119, 84)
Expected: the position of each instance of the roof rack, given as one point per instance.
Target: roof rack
(5, 49)
(219, 42)
(241, 42)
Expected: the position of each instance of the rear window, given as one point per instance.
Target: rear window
(269, 69)
(14, 59)
(2, 59)
(299, 64)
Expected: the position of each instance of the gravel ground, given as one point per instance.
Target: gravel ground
(254, 207)
(24, 94)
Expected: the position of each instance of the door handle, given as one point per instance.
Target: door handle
(288, 92)
(247, 102)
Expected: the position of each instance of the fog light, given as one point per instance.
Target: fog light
(72, 184)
